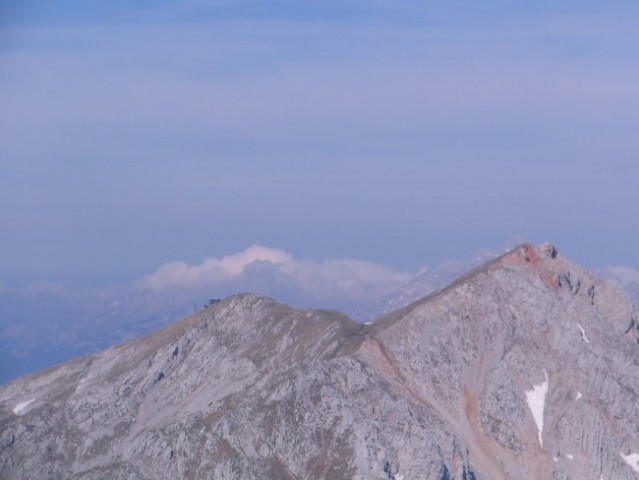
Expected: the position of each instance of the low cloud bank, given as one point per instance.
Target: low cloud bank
(276, 273)
(212, 271)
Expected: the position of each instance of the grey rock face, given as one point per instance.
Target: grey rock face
(525, 368)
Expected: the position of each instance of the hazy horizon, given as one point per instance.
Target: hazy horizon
(136, 134)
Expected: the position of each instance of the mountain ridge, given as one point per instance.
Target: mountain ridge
(82, 322)
(505, 373)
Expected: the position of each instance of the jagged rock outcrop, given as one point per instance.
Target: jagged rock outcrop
(525, 368)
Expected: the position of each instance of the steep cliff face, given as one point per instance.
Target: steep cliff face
(532, 360)
(526, 367)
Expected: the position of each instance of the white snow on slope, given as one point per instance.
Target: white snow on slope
(579, 395)
(21, 407)
(536, 399)
(632, 460)
(583, 333)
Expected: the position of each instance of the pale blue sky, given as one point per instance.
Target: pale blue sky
(402, 133)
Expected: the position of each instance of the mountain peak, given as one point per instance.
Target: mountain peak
(541, 259)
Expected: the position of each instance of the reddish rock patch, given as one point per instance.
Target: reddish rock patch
(531, 258)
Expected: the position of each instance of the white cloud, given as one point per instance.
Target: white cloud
(623, 274)
(274, 272)
(180, 275)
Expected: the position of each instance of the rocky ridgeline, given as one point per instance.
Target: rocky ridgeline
(525, 368)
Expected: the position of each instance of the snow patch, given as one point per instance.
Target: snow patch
(21, 407)
(570, 456)
(632, 460)
(536, 399)
(579, 395)
(583, 333)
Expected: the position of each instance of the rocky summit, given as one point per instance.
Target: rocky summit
(524, 368)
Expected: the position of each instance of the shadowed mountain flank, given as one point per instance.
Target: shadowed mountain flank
(525, 367)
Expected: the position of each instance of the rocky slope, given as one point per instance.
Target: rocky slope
(525, 368)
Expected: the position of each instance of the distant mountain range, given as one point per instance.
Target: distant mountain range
(427, 280)
(523, 368)
(44, 325)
